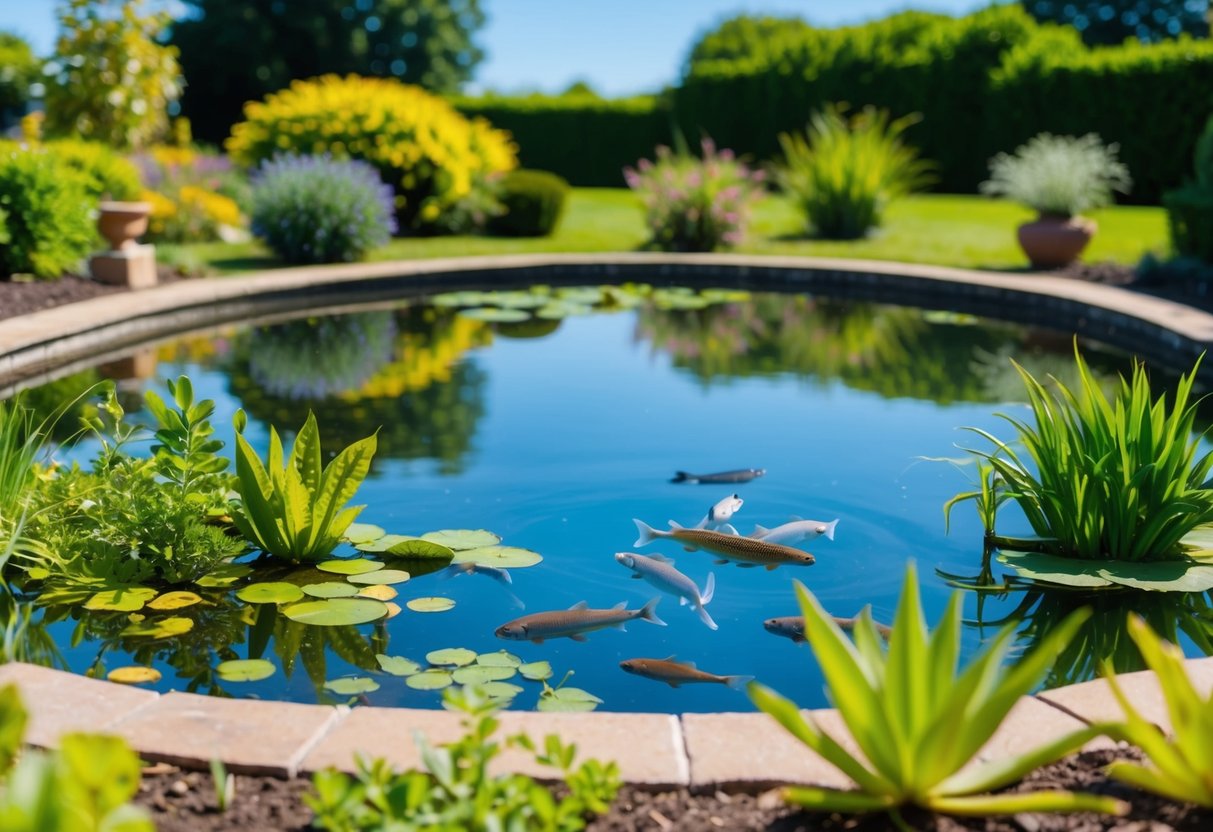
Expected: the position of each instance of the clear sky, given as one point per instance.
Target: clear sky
(618, 46)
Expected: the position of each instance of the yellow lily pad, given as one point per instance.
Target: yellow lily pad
(127, 599)
(133, 675)
(380, 592)
(174, 600)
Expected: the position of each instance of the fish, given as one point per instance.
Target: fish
(799, 529)
(675, 673)
(574, 622)
(498, 575)
(792, 626)
(722, 512)
(660, 572)
(741, 475)
(728, 545)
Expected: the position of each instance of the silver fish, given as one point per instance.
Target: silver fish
(741, 475)
(574, 622)
(660, 572)
(727, 545)
(799, 529)
(721, 513)
(792, 626)
(679, 673)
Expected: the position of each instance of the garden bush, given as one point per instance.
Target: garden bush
(196, 197)
(1059, 175)
(1190, 208)
(19, 69)
(533, 201)
(107, 174)
(49, 224)
(315, 209)
(422, 147)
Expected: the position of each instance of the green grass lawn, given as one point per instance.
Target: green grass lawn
(965, 231)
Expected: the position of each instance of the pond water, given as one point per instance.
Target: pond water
(555, 434)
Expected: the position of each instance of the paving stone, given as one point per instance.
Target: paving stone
(1029, 724)
(250, 736)
(381, 732)
(60, 702)
(1093, 701)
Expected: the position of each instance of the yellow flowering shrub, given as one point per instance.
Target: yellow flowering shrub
(191, 214)
(428, 152)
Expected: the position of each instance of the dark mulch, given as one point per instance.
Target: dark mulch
(185, 802)
(18, 297)
(1114, 274)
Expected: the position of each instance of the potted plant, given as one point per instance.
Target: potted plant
(1060, 177)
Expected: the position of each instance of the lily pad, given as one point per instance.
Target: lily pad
(159, 627)
(224, 575)
(127, 599)
(363, 533)
(466, 298)
(500, 658)
(336, 612)
(382, 544)
(516, 300)
(1159, 576)
(536, 671)
(329, 589)
(475, 674)
(133, 675)
(270, 592)
(352, 685)
(352, 566)
(589, 295)
(502, 557)
(458, 539)
(567, 700)
(397, 665)
(500, 690)
(380, 592)
(1038, 566)
(491, 314)
(393, 609)
(457, 656)
(245, 670)
(430, 603)
(417, 548)
(559, 311)
(174, 601)
(429, 680)
(380, 576)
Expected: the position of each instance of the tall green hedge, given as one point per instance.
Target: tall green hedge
(586, 139)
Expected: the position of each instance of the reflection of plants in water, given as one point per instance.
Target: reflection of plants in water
(314, 358)
(60, 404)
(425, 353)
(204, 350)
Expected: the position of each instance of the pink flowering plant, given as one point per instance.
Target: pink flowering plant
(695, 203)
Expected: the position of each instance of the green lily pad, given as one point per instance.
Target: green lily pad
(380, 576)
(329, 589)
(536, 671)
(429, 680)
(270, 592)
(459, 539)
(430, 603)
(353, 566)
(560, 311)
(502, 557)
(475, 674)
(457, 656)
(397, 665)
(567, 700)
(418, 548)
(159, 627)
(500, 658)
(133, 675)
(588, 295)
(336, 612)
(224, 575)
(363, 533)
(500, 690)
(352, 685)
(1158, 576)
(382, 544)
(174, 601)
(725, 295)
(127, 599)
(245, 670)
(466, 298)
(491, 314)
(516, 300)
(1038, 566)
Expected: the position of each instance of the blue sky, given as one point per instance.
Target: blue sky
(618, 46)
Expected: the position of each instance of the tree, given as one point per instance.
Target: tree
(1111, 21)
(109, 79)
(18, 71)
(235, 51)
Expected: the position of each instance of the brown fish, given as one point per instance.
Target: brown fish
(792, 626)
(574, 621)
(679, 673)
(727, 545)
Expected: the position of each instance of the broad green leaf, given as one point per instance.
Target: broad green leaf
(498, 690)
(338, 485)
(499, 658)
(457, 656)
(492, 315)
(397, 665)
(330, 589)
(569, 700)
(502, 557)
(477, 673)
(358, 533)
(224, 575)
(352, 566)
(429, 680)
(270, 592)
(174, 601)
(430, 603)
(336, 612)
(158, 628)
(126, 599)
(536, 671)
(133, 675)
(459, 539)
(380, 576)
(419, 548)
(1159, 576)
(352, 685)
(1055, 569)
(245, 670)
(382, 544)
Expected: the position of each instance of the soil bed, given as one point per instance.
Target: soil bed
(19, 297)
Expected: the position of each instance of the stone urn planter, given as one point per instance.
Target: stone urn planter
(122, 223)
(1052, 241)
(127, 263)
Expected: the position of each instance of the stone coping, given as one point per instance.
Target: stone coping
(1154, 328)
(705, 752)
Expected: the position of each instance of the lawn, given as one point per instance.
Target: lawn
(966, 231)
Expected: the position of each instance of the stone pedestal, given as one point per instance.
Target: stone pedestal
(133, 267)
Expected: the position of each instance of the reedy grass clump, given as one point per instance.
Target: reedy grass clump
(1115, 479)
(1059, 175)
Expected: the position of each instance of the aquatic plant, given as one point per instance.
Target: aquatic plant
(843, 172)
(1059, 175)
(917, 722)
(456, 790)
(298, 511)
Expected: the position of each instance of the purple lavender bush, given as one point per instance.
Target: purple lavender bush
(695, 204)
(316, 209)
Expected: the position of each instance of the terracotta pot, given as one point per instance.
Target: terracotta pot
(123, 222)
(1052, 241)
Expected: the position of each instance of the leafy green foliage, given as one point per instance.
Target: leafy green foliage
(186, 454)
(107, 174)
(917, 722)
(298, 510)
(19, 69)
(1059, 175)
(456, 790)
(1115, 479)
(844, 172)
(533, 200)
(49, 222)
(1190, 208)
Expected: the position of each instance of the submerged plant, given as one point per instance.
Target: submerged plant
(918, 724)
(1059, 175)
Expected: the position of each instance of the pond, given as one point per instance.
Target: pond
(555, 417)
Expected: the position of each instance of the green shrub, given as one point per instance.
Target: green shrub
(50, 224)
(107, 174)
(844, 172)
(1190, 220)
(19, 69)
(314, 209)
(533, 200)
(1059, 175)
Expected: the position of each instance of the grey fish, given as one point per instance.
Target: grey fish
(679, 673)
(660, 572)
(721, 513)
(728, 545)
(792, 626)
(741, 475)
(499, 575)
(574, 621)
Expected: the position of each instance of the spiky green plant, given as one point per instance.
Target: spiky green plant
(917, 722)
